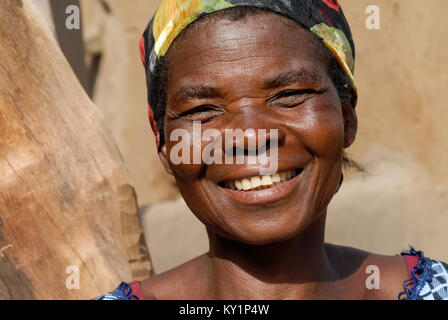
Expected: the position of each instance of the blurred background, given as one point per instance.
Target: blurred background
(402, 75)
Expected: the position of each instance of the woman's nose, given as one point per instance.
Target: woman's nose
(252, 140)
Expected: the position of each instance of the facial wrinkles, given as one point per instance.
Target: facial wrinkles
(319, 158)
(210, 206)
(243, 87)
(209, 200)
(320, 155)
(322, 178)
(225, 46)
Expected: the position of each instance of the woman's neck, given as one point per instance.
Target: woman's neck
(295, 269)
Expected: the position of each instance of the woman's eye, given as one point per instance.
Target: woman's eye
(201, 113)
(292, 98)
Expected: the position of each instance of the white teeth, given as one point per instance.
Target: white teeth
(238, 185)
(266, 180)
(256, 182)
(260, 182)
(276, 178)
(246, 184)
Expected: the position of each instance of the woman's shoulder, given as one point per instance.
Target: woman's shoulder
(170, 284)
(408, 275)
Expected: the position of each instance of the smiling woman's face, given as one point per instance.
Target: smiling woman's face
(258, 73)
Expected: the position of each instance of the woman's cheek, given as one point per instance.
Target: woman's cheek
(322, 130)
(184, 155)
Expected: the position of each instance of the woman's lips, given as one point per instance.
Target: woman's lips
(269, 194)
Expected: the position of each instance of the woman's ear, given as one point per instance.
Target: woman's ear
(163, 157)
(350, 121)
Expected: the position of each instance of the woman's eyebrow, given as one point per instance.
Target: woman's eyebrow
(290, 77)
(188, 92)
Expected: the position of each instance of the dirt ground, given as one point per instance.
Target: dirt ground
(401, 71)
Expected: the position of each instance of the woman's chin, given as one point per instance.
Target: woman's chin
(265, 234)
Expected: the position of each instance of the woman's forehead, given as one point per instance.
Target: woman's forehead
(259, 48)
(265, 28)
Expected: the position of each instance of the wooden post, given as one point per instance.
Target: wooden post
(66, 202)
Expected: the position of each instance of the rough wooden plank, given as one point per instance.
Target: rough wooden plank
(65, 196)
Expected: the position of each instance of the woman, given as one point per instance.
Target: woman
(257, 65)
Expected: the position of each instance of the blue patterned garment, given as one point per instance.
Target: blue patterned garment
(123, 292)
(429, 279)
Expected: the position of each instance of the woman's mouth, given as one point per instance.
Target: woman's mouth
(260, 182)
(259, 190)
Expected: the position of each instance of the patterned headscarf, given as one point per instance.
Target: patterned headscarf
(322, 17)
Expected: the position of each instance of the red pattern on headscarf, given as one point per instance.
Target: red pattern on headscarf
(141, 45)
(150, 112)
(332, 4)
(153, 125)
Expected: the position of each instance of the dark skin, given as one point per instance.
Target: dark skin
(262, 73)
